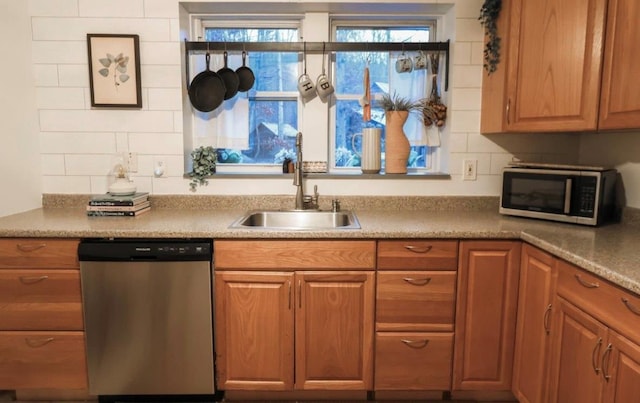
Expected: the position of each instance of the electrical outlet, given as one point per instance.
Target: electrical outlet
(469, 170)
(132, 161)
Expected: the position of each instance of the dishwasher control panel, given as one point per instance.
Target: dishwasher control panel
(145, 249)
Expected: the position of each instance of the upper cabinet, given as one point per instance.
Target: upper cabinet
(557, 70)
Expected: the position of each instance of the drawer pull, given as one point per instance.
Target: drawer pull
(630, 307)
(32, 280)
(594, 354)
(415, 343)
(586, 283)
(418, 249)
(605, 362)
(545, 320)
(30, 247)
(289, 282)
(35, 343)
(417, 281)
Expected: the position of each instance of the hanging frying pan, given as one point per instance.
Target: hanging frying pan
(245, 74)
(207, 89)
(230, 79)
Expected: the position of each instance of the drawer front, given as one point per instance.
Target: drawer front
(418, 255)
(413, 361)
(40, 300)
(615, 307)
(415, 300)
(41, 360)
(284, 254)
(38, 253)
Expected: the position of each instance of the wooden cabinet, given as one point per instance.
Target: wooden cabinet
(595, 351)
(41, 326)
(486, 315)
(620, 95)
(304, 327)
(538, 277)
(415, 307)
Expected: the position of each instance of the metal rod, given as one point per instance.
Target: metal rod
(316, 47)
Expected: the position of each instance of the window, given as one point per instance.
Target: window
(273, 106)
(349, 68)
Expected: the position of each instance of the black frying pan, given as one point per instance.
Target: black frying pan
(245, 74)
(207, 89)
(230, 79)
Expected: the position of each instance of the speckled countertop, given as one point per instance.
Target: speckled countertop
(611, 251)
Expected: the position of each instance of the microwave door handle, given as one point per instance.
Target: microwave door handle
(567, 195)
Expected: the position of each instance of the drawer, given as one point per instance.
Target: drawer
(41, 360)
(294, 254)
(413, 361)
(418, 255)
(415, 300)
(38, 253)
(40, 300)
(615, 307)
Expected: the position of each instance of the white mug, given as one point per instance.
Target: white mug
(370, 156)
(420, 61)
(323, 86)
(306, 87)
(404, 64)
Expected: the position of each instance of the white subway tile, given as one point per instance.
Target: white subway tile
(469, 29)
(461, 52)
(477, 53)
(89, 164)
(156, 76)
(106, 121)
(60, 52)
(45, 75)
(143, 183)
(467, 76)
(111, 8)
(53, 8)
(122, 142)
(156, 143)
(458, 142)
(456, 162)
(175, 185)
(484, 143)
(466, 99)
(178, 122)
(465, 121)
(66, 184)
(500, 161)
(78, 143)
(161, 8)
(467, 8)
(52, 164)
(176, 33)
(76, 29)
(59, 98)
(174, 164)
(164, 53)
(165, 99)
(73, 75)
(100, 184)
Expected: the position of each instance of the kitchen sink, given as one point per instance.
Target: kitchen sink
(298, 220)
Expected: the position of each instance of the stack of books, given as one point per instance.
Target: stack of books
(119, 206)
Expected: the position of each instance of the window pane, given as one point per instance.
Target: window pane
(349, 85)
(273, 121)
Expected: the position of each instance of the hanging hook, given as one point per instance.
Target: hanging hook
(304, 57)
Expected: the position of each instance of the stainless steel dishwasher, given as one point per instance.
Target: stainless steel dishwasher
(148, 316)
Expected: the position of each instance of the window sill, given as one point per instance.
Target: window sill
(350, 175)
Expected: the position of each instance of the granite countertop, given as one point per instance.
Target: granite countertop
(610, 251)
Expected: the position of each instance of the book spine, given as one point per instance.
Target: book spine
(114, 213)
(119, 208)
(110, 203)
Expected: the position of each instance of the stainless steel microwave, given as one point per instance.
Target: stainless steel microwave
(567, 193)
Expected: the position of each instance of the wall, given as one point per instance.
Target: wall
(19, 153)
(80, 144)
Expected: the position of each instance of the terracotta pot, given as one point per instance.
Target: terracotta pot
(397, 147)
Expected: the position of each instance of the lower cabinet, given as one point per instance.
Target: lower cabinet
(486, 315)
(302, 330)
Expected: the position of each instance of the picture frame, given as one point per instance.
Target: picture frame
(114, 70)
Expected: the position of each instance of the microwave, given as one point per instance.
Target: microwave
(567, 193)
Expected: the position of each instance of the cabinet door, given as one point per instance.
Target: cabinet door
(554, 64)
(254, 330)
(486, 315)
(623, 373)
(334, 330)
(620, 99)
(538, 277)
(578, 345)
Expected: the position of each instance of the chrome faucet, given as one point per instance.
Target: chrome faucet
(302, 202)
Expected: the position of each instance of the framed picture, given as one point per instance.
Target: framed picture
(114, 70)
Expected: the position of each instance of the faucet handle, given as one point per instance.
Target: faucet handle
(335, 205)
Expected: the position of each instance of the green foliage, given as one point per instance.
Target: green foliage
(396, 102)
(489, 13)
(204, 165)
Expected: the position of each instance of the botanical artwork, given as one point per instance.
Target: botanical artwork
(114, 70)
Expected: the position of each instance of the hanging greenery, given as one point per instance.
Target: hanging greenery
(204, 165)
(489, 13)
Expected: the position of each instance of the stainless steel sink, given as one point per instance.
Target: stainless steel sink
(298, 220)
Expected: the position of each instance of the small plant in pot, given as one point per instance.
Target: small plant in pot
(397, 147)
(204, 165)
(396, 102)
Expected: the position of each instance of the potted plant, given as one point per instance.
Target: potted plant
(397, 147)
(204, 165)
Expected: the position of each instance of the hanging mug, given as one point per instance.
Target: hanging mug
(404, 64)
(370, 156)
(306, 87)
(420, 61)
(323, 86)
